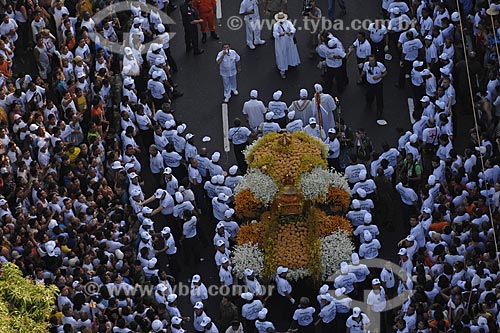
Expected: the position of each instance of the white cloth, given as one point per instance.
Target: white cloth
(285, 49)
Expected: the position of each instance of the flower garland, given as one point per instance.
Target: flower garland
(247, 206)
(335, 248)
(247, 256)
(325, 186)
(261, 185)
(298, 274)
(250, 233)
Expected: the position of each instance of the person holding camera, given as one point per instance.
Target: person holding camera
(229, 63)
(374, 72)
(312, 15)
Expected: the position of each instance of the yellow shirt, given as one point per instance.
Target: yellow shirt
(74, 155)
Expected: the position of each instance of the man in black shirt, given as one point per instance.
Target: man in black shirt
(190, 20)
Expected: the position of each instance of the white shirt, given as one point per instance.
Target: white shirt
(363, 50)
(372, 72)
(227, 67)
(369, 250)
(376, 301)
(304, 317)
(408, 195)
(377, 35)
(411, 48)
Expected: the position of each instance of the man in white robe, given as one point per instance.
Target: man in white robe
(326, 105)
(285, 48)
(303, 107)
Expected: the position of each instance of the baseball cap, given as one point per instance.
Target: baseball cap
(189, 136)
(356, 204)
(281, 270)
(176, 320)
(425, 99)
(356, 311)
(402, 251)
(262, 313)
(312, 120)
(367, 219)
(248, 272)
(332, 130)
(247, 296)
(269, 115)
(222, 197)
(375, 281)
(196, 278)
(158, 193)
(198, 305)
(220, 242)
(165, 230)
(167, 171)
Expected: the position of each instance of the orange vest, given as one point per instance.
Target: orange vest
(204, 6)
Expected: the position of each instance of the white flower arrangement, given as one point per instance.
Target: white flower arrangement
(261, 185)
(298, 274)
(247, 256)
(314, 185)
(335, 248)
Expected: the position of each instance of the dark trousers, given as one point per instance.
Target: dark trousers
(418, 93)
(334, 74)
(378, 50)
(191, 38)
(376, 91)
(328, 327)
(407, 65)
(240, 158)
(191, 250)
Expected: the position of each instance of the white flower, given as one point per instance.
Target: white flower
(261, 185)
(335, 248)
(314, 185)
(298, 274)
(247, 256)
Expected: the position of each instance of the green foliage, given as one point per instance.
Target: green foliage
(25, 306)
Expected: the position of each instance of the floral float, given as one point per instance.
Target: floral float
(293, 208)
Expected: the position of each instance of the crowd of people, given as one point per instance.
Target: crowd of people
(83, 140)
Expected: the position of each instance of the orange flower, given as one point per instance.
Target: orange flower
(251, 233)
(338, 199)
(247, 205)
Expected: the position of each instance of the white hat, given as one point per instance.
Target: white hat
(277, 95)
(196, 278)
(147, 221)
(425, 99)
(129, 166)
(291, 115)
(428, 37)
(248, 271)
(222, 197)
(318, 88)
(34, 127)
(220, 179)
(198, 305)
(247, 296)
(147, 210)
(410, 238)
(280, 17)
(233, 170)
(176, 320)
(281, 270)
(216, 157)
(156, 47)
(455, 16)
(159, 61)
(167, 171)
(303, 93)
(367, 236)
(171, 298)
(427, 210)
(356, 204)
(224, 260)
(128, 81)
(312, 120)
(189, 136)
(161, 287)
(339, 291)
(220, 242)
(367, 219)
(17, 116)
(159, 193)
(137, 20)
(344, 267)
(417, 63)
(332, 130)
(146, 235)
(262, 313)
(165, 231)
(170, 124)
(402, 251)
(432, 180)
(413, 138)
(362, 175)
(482, 321)
(395, 10)
(52, 224)
(269, 115)
(229, 213)
(324, 289)
(375, 281)
(254, 93)
(3, 202)
(156, 74)
(132, 175)
(128, 51)
(219, 225)
(355, 258)
(356, 311)
(80, 75)
(72, 262)
(361, 192)
(181, 128)
(440, 104)
(444, 56)
(331, 43)
(445, 71)
(152, 263)
(425, 72)
(160, 28)
(119, 254)
(50, 248)
(178, 197)
(156, 325)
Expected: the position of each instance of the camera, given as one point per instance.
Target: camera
(307, 7)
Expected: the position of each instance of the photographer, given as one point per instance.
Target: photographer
(312, 17)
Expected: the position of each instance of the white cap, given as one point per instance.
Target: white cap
(158, 193)
(312, 120)
(356, 311)
(222, 197)
(425, 99)
(233, 170)
(152, 263)
(224, 260)
(367, 219)
(34, 127)
(303, 93)
(331, 43)
(262, 313)
(367, 236)
(17, 116)
(128, 81)
(146, 235)
(318, 88)
(80, 75)
(181, 128)
(52, 223)
(147, 210)
(220, 179)
(402, 251)
(444, 56)
(132, 175)
(344, 267)
(375, 281)
(269, 115)
(248, 272)
(128, 51)
(417, 63)
(410, 238)
(432, 180)
(156, 47)
(119, 254)
(413, 138)
(355, 258)
(156, 74)
(281, 270)
(395, 10)
(356, 204)
(206, 139)
(455, 16)
(129, 166)
(254, 93)
(189, 136)
(220, 242)
(165, 230)
(178, 197)
(159, 61)
(440, 104)
(339, 291)
(291, 115)
(50, 247)
(196, 278)
(277, 95)
(137, 20)
(428, 37)
(216, 157)
(324, 289)
(147, 221)
(332, 130)
(361, 192)
(426, 71)
(156, 325)
(247, 296)
(161, 287)
(198, 305)
(167, 171)
(427, 210)
(176, 320)
(3, 202)
(229, 213)
(160, 28)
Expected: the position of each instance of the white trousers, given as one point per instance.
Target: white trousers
(252, 27)
(229, 85)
